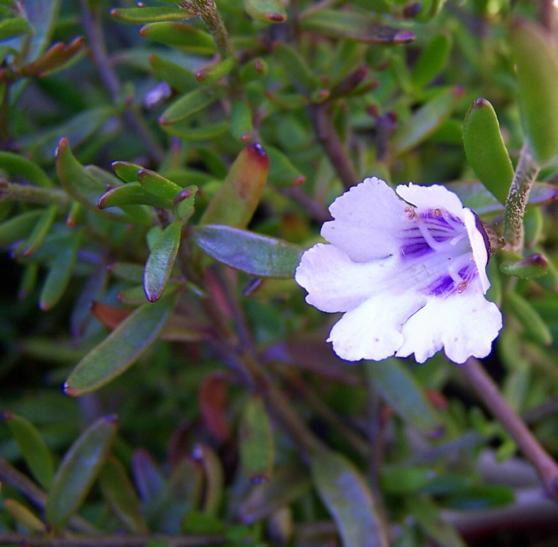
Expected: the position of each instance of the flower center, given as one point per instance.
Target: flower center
(436, 254)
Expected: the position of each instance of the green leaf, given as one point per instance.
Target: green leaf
(42, 14)
(33, 448)
(205, 132)
(121, 349)
(236, 200)
(428, 517)
(78, 470)
(174, 74)
(216, 71)
(18, 166)
(530, 267)
(257, 450)
(269, 11)
(186, 106)
(119, 492)
(85, 188)
(18, 227)
(281, 170)
(40, 230)
(181, 35)
(59, 273)
(132, 193)
(161, 261)
(296, 68)
(14, 26)
(249, 252)
(529, 318)
(348, 499)
(401, 391)
(475, 196)
(148, 14)
(426, 120)
(485, 149)
(353, 25)
(399, 479)
(54, 58)
(432, 60)
(159, 186)
(536, 61)
(24, 516)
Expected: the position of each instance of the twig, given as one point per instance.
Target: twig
(32, 194)
(312, 207)
(207, 10)
(490, 395)
(111, 541)
(326, 134)
(132, 118)
(524, 177)
(38, 497)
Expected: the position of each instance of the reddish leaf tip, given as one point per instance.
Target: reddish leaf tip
(200, 75)
(62, 145)
(113, 12)
(163, 120)
(299, 181)
(480, 102)
(68, 390)
(276, 17)
(246, 137)
(111, 419)
(143, 31)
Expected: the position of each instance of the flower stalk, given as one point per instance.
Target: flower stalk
(207, 10)
(518, 197)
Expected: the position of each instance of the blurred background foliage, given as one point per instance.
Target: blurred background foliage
(143, 147)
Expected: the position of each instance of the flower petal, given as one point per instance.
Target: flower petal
(478, 246)
(431, 197)
(334, 282)
(373, 329)
(367, 221)
(464, 324)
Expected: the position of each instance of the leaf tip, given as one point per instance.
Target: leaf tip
(404, 36)
(111, 419)
(6, 415)
(63, 143)
(276, 17)
(67, 389)
(480, 102)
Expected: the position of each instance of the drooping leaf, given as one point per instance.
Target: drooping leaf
(121, 349)
(348, 499)
(249, 252)
(19, 166)
(78, 470)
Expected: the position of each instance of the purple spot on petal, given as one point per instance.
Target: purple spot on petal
(442, 286)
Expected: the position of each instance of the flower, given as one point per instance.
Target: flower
(407, 268)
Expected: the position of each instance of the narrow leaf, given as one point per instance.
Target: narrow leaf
(269, 11)
(181, 35)
(78, 470)
(186, 106)
(121, 349)
(149, 14)
(249, 252)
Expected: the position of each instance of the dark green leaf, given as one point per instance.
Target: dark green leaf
(149, 14)
(186, 37)
(269, 11)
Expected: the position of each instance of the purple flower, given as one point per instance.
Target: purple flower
(407, 268)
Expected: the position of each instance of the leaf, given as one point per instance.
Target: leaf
(241, 121)
(121, 349)
(18, 227)
(249, 252)
(147, 476)
(297, 70)
(33, 448)
(14, 26)
(348, 500)
(212, 403)
(159, 186)
(426, 120)
(161, 261)
(281, 170)
(428, 517)
(432, 60)
(475, 196)
(257, 448)
(401, 391)
(119, 492)
(352, 25)
(59, 273)
(536, 62)
(42, 14)
(216, 71)
(485, 149)
(148, 14)
(40, 230)
(181, 35)
(55, 57)
(530, 267)
(269, 11)
(18, 166)
(186, 106)
(174, 74)
(236, 200)
(24, 516)
(78, 470)
(529, 318)
(132, 193)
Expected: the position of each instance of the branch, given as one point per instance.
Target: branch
(111, 541)
(326, 134)
(109, 78)
(32, 194)
(490, 395)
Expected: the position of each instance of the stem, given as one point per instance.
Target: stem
(326, 134)
(10, 475)
(489, 394)
(32, 194)
(524, 177)
(207, 10)
(109, 78)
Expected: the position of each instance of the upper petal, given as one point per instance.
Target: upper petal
(464, 325)
(334, 282)
(431, 197)
(367, 220)
(373, 329)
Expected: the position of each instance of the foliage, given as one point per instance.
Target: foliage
(162, 170)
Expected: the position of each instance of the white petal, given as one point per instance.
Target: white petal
(431, 197)
(478, 245)
(367, 221)
(465, 325)
(334, 282)
(373, 329)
